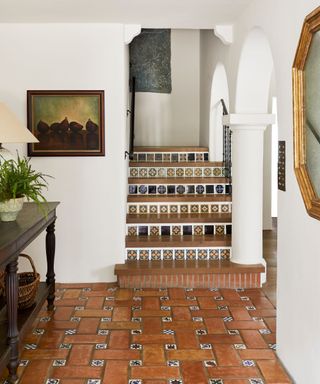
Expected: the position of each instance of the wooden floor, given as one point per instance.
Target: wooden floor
(270, 255)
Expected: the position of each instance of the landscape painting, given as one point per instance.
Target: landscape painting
(66, 123)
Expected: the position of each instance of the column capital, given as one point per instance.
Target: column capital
(248, 121)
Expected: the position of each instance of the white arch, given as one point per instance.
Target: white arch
(254, 74)
(219, 90)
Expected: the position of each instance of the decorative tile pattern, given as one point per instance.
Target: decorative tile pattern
(178, 254)
(173, 309)
(170, 156)
(176, 230)
(177, 189)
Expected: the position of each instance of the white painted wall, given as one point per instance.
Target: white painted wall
(298, 233)
(173, 119)
(90, 228)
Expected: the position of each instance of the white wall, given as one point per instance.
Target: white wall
(173, 119)
(212, 53)
(90, 228)
(298, 233)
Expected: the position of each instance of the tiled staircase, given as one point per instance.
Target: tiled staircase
(179, 223)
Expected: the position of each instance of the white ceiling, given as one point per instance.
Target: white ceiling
(202, 14)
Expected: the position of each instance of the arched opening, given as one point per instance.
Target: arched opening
(219, 90)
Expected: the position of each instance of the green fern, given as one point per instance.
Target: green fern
(18, 179)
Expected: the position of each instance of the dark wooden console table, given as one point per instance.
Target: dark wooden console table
(14, 238)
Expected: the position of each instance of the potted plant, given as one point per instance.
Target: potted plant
(17, 182)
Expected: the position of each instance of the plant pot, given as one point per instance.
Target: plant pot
(9, 209)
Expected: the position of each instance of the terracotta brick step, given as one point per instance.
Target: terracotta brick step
(171, 149)
(188, 274)
(187, 164)
(179, 198)
(180, 218)
(178, 241)
(178, 180)
(172, 267)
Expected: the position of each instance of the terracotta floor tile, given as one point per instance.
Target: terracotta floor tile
(151, 292)
(116, 372)
(257, 354)
(234, 372)
(193, 372)
(88, 325)
(153, 339)
(52, 339)
(72, 293)
(240, 314)
(186, 339)
(226, 355)
(151, 313)
(155, 372)
(190, 354)
(63, 313)
(151, 325)
(230, 294)
(245, 325)
(121, 314)
(35, 372)
(72, 381)
(78, 372)
(80, 355)
(207, 303)
(117, 354)
(181, 313)
(123, 294)
(215, 326)
(119, 339)
(271, 323)
(93, 313)
(186, 324)
(153, 354)
(179, 303)
(235, 381)
(43, 354)
(151, 303)
(155, 382)
(273, 372)
(253, 339)
(55, 324)
(211, 313)
(68, 302)
(120, 325)
(199, 292)
(270, 339)
(262, 303)
(84, 339)
(221, 339)
(264, 313)
(95, 303)
(176, 293)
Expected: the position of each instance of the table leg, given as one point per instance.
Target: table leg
(50, 250)
(12, 312)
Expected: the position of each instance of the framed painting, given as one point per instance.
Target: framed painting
(66, 123)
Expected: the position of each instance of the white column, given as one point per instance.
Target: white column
(247, 186)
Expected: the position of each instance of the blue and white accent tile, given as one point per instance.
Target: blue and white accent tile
(59, 363)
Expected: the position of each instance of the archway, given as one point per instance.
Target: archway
(219, 90)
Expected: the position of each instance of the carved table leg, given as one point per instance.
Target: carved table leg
(12, 310)
(50, 249)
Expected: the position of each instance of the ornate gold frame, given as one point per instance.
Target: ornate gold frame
(310, 198)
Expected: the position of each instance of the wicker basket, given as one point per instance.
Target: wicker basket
(28, 285)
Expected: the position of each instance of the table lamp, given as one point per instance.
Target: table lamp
(12, 130)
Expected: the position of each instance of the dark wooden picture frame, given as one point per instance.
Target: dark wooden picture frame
(66, 123)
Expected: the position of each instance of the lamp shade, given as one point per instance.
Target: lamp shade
(12, 130)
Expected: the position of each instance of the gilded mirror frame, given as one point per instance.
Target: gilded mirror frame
(310, 197)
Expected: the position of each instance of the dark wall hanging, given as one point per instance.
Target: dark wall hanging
(150, 61)
(282, 165)
(66, 123)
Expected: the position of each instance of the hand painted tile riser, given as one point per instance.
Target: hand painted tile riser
(170, 157)
(152, 172)
(150, 208)
(178, 229)
(177, 189)
(215, 253)
(195, 280)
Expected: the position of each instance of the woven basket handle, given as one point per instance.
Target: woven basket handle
(30, 260)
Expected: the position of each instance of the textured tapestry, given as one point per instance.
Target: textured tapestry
(150, 61)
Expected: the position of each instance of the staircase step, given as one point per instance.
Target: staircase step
(154, 171)
(182, 186)
(201, 164)
(171, 149)
(190, 198)
(184, 204)
(185, 241)
(180, 218)
(188, 274)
